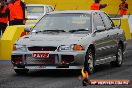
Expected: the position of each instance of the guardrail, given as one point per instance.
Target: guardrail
(9, 37)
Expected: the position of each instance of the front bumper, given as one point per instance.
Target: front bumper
(48, 67)
(76, 64)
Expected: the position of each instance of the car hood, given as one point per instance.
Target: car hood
(50, 39)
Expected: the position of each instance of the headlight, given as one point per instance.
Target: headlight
(19, 47)
(74, 47)
(64, 47)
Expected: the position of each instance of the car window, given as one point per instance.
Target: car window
(46, 9)
(35, 9)
(107, 21)
(97, 20)
(50, 8)
(66, 22)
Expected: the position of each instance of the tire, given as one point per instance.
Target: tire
(119, 57)
(90, 60)
(21, 71)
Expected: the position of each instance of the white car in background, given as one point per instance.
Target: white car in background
(36, 12)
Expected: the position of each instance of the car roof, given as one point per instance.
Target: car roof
(37, 5)
(75, 11)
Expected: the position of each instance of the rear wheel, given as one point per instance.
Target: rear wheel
(119, 57)
(21, 71)
(89, 60)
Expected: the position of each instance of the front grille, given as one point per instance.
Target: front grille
(37, 48)
(32, 60)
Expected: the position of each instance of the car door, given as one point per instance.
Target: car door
(111, 32)
(100, 37)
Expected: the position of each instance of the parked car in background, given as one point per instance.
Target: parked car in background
(67, 40)
(36, 12)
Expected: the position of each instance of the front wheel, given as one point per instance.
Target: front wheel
(89, 61)
(119, 57)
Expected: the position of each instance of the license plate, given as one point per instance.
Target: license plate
(40, 55)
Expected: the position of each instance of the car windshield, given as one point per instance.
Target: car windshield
(35, 9)
(72, 23)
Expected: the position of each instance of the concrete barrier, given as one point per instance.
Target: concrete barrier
(130, 22)
(125, 26)
(9, 37)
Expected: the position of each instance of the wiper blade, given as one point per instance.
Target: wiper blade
(54, 31)
(78, 30)
(38, 31)
(50, 31)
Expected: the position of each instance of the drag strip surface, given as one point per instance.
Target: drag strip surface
(65, 78)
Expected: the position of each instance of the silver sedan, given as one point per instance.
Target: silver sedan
(67, 40)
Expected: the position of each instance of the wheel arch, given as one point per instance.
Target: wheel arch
(91, 46)
(122, 44)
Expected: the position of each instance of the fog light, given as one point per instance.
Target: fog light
(67, 59)
(16, 59)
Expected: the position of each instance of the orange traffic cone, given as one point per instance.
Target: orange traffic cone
(85, 78)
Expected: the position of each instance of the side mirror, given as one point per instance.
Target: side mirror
(27, 29)
(100, 28)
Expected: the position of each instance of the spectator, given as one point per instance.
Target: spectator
(17, 12)
(123, 7)
(3, 16)
(97, 6)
